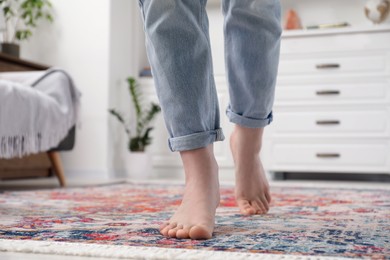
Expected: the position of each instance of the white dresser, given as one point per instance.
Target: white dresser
(332, 105)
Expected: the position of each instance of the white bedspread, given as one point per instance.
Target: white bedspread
(37, 109)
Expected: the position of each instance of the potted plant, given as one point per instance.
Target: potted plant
(138, 163)
(20, 17)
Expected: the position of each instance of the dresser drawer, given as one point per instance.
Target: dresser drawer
(331, 154)
(333, 122)
(331, 93)
(324, 41)
(332, 64)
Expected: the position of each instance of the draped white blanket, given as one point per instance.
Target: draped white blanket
(37, 109)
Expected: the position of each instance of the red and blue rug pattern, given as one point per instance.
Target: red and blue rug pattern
(302, 221)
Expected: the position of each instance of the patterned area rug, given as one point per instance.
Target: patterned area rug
(122, 220)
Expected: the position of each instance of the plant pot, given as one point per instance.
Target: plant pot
(138, 166)
(11, 49)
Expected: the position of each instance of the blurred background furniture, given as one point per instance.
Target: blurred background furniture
(37, 165)
(332, 105)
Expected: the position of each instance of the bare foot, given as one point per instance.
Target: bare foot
(252, 189)
(195, 217)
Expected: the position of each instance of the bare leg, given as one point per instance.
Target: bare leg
(195, 217)
(252, 189)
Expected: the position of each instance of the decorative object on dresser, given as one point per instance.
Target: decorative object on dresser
(332, 104)
(293, 22)
(138, 161)
(20, 18)
(377, 10)
(41, 164)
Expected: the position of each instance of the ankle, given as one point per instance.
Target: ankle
(200, 165)
(250, 139)
(201, 154)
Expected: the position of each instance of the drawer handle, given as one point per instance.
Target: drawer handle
(328, 66)
(328, 155)
(327, 92)
(328, 122)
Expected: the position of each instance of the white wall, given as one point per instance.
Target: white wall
(124, 42)
(92, 41)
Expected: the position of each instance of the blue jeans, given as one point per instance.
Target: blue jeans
(178, 49)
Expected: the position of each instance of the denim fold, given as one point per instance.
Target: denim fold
(195, 140)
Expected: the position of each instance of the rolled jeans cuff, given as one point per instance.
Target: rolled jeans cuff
(247, 121)
(195, 141)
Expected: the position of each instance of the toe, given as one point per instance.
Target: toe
(257, 208)
(165, 230)
(260, 209)
(245, 207)
(264, 203)
(199, 232)
(268, 196)
(163, 225)
(183, 233)
(172, 232)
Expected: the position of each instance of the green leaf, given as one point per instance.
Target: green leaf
(135, 94)
(136, 97)
(23, 34)
(29, 13)
(8, 11)
(38, 15)
(151, 113)
(118, 116)
(146, 140)
(49, 18)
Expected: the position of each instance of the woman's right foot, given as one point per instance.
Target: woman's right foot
(195, 217)
(252, 188)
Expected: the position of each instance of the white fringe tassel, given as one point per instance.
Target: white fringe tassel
(135, 252)
(22, 145)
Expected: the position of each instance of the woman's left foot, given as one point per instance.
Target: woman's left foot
(252, 188)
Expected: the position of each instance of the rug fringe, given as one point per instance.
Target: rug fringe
(135, 252)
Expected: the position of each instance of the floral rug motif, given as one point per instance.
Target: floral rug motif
(302, 221)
